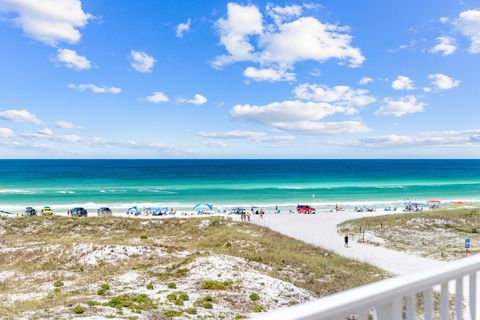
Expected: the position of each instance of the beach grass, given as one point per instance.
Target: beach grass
(438, 233)
(319, 271)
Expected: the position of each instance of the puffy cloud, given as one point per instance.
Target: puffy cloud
(241, 22)
(48, 21)
(299, 116)
(403, 83)
(338, 95)
(19, 116)
(443, 19)
(157, 97)
(283, 44)
(142, 62)
(442, 81)
(280, 14)
(94, 88)
(6, 133)
(197, 99)
(468, 23)
(182, 28)
(268, 74)
(249, 135)
(400, 107)
(365, 80)
(62, 124)
(46, 132)
(445, 46)
(72, 60)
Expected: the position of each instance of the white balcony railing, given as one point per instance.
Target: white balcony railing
(447, 292)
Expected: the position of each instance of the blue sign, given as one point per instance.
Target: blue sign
(467, 243)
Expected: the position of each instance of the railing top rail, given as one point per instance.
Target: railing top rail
(376, 293)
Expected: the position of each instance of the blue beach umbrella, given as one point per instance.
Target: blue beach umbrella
(203, 206)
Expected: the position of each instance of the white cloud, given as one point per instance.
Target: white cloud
(445, 45)
(72, 60)
(6, 133)
(249, 135)
(46, 132)
(283, 44)
(468, 23)
(94, 88)
(442, 81)
(403, 83)
(268, 74)
(157, 97)
(443, 19)
(317, 127)
(400, 107)
(48, 21)
(281, 14)
(215, 144)
(365, 80)
(19, 116)
(197, 99)
(299, 116)
(62, 124)
(338, 95)
(241, 22)
(142, 62)
(182, 28)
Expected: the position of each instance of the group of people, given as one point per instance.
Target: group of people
(245, 216)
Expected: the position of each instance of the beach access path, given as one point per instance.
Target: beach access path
(321, 230)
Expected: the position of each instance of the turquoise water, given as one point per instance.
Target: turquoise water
(224, 182)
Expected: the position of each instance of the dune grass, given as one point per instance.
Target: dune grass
(436, 233)
(306, 266)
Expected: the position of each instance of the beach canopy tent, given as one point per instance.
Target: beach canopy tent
(203, 207)
(134, 210)
(156, 211)
(433, 201)
(458, 202)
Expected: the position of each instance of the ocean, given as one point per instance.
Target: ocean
(184, 183)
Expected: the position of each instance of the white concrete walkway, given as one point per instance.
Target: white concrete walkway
(321, 230)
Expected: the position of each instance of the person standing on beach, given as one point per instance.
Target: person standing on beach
(346, 241)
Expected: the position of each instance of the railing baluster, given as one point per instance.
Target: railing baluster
(444, 302)
(459, 298)
(472, 278)
(397, 309)
(427, 304)
(411, 302)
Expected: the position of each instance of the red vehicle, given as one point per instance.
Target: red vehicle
(301, 208)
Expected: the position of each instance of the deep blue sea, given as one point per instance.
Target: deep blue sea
(227, 182)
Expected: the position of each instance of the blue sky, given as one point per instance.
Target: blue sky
(256, 79)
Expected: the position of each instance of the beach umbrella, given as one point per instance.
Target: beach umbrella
(203, 206)
(458, 202)
(433, 201)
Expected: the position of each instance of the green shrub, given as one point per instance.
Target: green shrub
(215, 285)
(172, 297)
(172, 313)
(78, 309)
(57, 291)
(191, 311)
(207, 305)
(92, 303)
(178, 302)
(103, 288)
(258, 308)
(171, 285)
(58, 284)
(254, 297)
(208, 298)
(150, 286)
(136, 303)
(143, 237)
(183, 296)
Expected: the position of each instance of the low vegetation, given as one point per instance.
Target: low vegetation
(160, 268)
(439, 234)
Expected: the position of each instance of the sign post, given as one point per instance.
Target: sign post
(467, 246)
